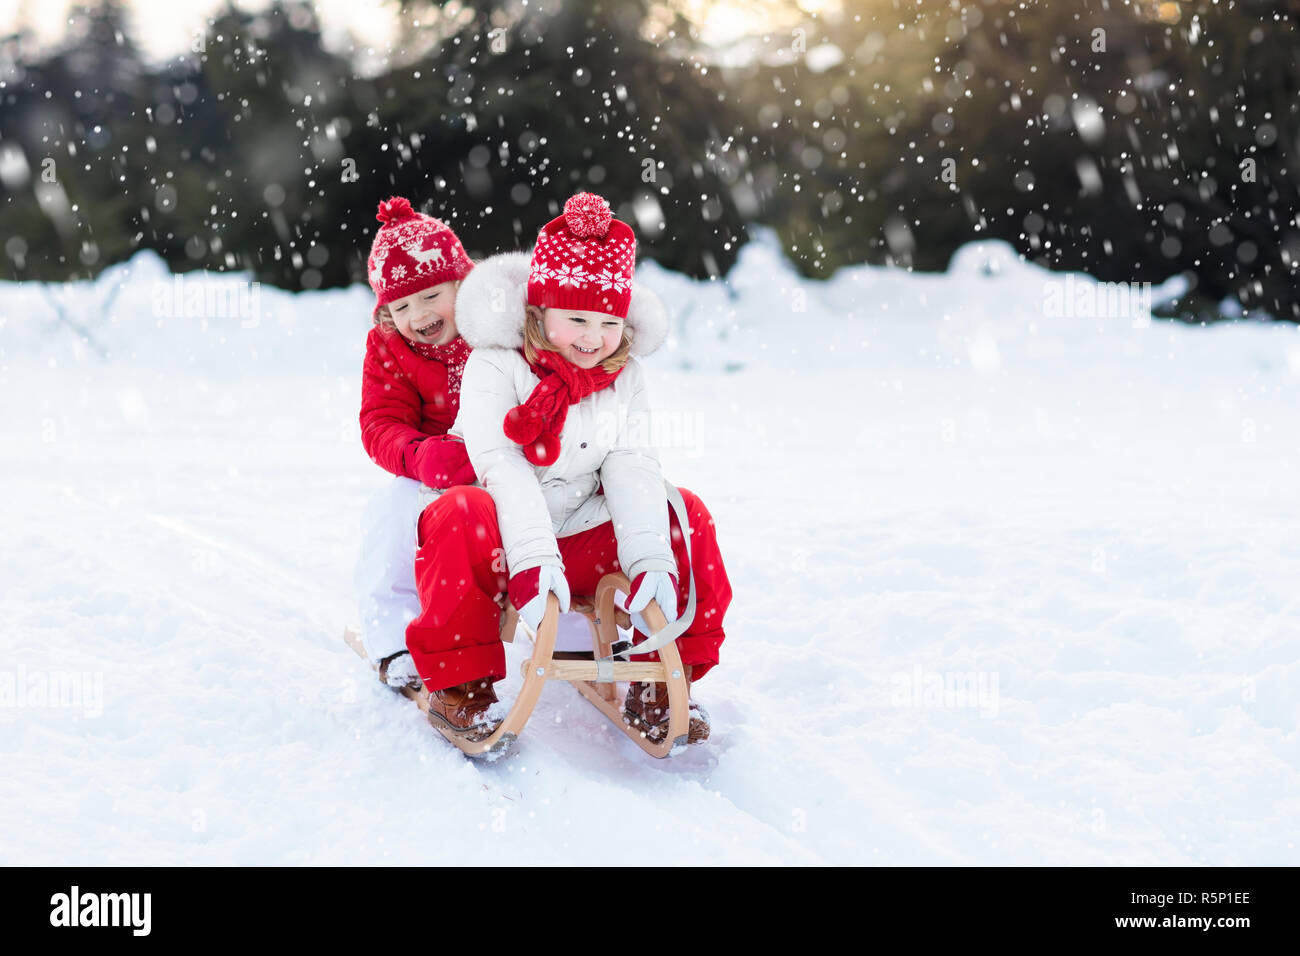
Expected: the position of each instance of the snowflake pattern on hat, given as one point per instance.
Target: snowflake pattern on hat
(583, 260)
(609, 280)
(570, 275)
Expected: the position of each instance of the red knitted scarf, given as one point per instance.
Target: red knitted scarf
(537, 423)
(453, 355)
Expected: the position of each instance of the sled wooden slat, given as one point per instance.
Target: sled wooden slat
(605, 615)
(586, 670)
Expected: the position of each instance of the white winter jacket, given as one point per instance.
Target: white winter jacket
(605, 440)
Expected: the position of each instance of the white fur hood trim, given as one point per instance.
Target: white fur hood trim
(490, 307)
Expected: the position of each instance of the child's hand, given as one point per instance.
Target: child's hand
(441, 462)
(659, 585)
(528, 590)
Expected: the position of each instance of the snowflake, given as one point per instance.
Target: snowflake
(612, 280)
(399, 271)
(571, 275)
(540, 273)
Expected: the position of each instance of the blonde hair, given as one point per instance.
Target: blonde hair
(535, 341)
(384, 319)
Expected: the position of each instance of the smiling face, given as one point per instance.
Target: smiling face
(584, 338)
(427, 316)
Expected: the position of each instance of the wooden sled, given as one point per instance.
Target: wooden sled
(581, 670)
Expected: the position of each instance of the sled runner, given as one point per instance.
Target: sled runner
(594, 674)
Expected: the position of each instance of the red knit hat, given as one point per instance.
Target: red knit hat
(583, 260)
(411, 252)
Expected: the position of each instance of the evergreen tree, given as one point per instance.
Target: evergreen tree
(520, 106)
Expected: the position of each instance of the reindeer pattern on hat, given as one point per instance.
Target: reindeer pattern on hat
(412, 251)
(425, 258)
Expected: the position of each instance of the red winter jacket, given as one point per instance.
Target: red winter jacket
(406, 405)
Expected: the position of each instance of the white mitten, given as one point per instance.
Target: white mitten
(662, 587)
(550, 580)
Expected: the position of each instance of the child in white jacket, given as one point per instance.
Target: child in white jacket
(555, 418)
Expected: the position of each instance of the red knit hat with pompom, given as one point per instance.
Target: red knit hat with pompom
(583, 260)
(412, 252)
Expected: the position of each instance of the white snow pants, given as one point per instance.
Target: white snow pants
(385, 572)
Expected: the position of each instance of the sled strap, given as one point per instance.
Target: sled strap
(675, 628)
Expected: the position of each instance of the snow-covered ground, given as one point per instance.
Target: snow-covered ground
(1084, 528)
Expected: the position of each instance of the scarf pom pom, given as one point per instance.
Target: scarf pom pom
(544, 450)
(522, 424)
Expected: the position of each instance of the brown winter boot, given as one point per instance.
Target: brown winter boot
(398, 671)
(646, 709)
(460, 709)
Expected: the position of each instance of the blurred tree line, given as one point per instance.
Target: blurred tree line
(1132, 141)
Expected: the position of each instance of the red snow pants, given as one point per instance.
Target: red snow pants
(459, 571)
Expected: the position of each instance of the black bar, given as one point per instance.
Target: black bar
(924, 905)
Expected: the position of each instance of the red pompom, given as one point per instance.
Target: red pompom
(522, 424)
(395, 210)
(544, 451)
(587, 214)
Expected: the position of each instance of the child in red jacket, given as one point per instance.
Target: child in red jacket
(410, 393)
